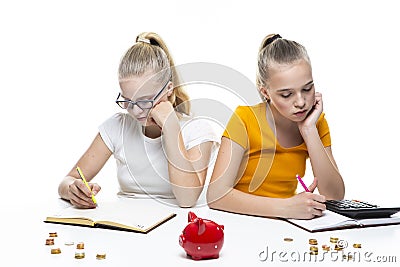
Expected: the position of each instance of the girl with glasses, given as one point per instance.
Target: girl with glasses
(265, 146)
(159, 149)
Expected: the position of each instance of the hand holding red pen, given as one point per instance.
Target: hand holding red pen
(306, 205)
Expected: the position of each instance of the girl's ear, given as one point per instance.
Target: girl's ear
(264, 92)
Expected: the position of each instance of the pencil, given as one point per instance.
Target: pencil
(302, 183)
(85, 182)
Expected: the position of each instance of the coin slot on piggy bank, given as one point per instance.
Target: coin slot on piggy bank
(202, 238)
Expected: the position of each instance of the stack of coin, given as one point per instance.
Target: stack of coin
(334, 240)
(49, 241)
(80, 245)
(80, 250)
(55, 251)
(338, 248)
(54, 234)
(313, 250)
(313, 241)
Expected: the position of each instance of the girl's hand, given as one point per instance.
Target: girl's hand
(161, 113)
(313, 115)
(306, 205)
(80, 196)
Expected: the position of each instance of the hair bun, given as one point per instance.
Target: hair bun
(272, 39)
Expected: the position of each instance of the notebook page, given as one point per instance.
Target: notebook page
(328, 220)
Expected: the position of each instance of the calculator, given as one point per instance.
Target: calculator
(357, 209)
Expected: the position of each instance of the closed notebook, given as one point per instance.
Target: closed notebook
(122, 214)
(333, 221)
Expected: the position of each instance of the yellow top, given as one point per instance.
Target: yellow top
(268, 169)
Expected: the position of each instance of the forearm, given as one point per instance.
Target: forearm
(184, 178)
(240, 202)
(330, 182)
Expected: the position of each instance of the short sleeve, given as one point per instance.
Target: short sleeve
(111, 130)
(323, 131)
(236, 129)
(197, 131)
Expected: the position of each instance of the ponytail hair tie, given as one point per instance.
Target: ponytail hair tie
(273, 38)
(143, 40)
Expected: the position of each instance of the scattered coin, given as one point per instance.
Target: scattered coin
(55, 251)
(314, 248)
(69, 243)
(101, 256)
(54, 234)
(288, 239)
(356, 245)
(49, 241)
(326, 247)
(79, 255)
(80, 245)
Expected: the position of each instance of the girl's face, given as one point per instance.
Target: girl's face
(291, 90)
(146, 92)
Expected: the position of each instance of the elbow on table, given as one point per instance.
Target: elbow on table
(187, 201)
(213, 198)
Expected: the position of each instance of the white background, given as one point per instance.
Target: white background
(59, 60)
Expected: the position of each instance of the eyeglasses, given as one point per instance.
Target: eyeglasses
(142, 104)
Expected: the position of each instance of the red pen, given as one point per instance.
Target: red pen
(302, 183)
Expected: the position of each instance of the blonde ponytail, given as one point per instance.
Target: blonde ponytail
(276, 50)
(151, 53)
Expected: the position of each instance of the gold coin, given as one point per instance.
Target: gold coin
(288, 239)
(101, 256)
(326, 248)
(49, 241)
(338, 248)
(54, 234)
(313, 241)
(313, 248)
(55, 251)
(80, 245)
(69, 243)
(334, 239)
(314, 252)
(79, 255)
(356, 245)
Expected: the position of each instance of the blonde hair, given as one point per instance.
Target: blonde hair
(276, 50)
(150, 53)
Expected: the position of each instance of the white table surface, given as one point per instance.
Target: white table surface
(246, 239)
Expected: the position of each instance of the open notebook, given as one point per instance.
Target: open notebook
(333, 221)
(120, 214)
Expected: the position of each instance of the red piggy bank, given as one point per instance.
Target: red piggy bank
(202, 238)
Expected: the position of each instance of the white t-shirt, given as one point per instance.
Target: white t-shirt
(142, 167)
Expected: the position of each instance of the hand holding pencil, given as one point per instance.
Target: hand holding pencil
(81, 193)
(305, 205)
(87, 185)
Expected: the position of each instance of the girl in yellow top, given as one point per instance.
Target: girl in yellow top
(264, 146)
